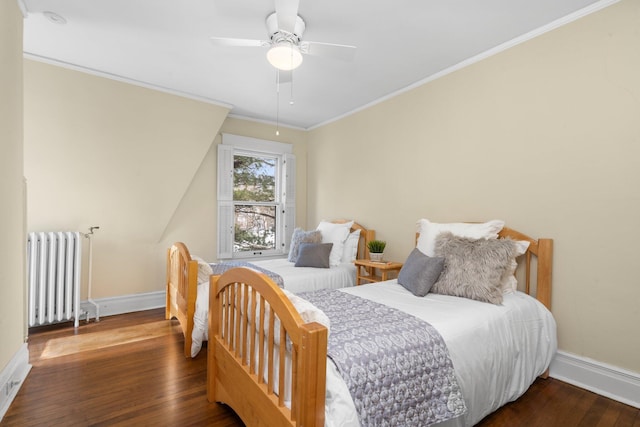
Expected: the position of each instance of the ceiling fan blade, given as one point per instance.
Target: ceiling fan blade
(286, 13)
(338, 51)
(221, 41)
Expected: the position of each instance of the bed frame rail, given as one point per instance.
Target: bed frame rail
(261, 352)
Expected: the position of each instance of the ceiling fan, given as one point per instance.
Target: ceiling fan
(285, 29)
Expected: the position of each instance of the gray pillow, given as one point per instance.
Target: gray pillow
(473, 268)
(301, 236)
(420, 272)
(314, 255)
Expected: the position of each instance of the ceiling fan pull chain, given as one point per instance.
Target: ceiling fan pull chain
(277, 102)
(291, 95)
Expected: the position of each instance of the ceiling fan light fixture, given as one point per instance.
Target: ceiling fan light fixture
(284, 56)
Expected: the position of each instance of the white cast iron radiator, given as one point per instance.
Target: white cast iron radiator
(54, 261)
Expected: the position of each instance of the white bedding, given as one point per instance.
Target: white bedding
(303, 279)
(296, 279)
(497, 350)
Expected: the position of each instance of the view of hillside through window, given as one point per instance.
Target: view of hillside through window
(255, 199)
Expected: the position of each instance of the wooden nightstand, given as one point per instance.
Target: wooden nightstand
(374, 271)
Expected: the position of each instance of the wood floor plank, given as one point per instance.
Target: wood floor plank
(142, 378)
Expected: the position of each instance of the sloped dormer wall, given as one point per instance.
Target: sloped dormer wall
(99, 152)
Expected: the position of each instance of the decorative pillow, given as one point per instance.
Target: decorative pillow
(350, 250)
(204, 269)
(314, 255)
(336, 234)
(473, 268)
(420, 272)
(301, 236)
(508, 283)
(429, 231)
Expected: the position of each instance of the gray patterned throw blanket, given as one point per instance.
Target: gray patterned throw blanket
(397, 367)
(221, 267)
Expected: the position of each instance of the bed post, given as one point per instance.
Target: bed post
(167, 309)
(214, 325)
(369, 235)
(312, 382)
(543, 287)
(192, 292)
(545, 262)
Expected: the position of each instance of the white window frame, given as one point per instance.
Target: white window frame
(285, 188)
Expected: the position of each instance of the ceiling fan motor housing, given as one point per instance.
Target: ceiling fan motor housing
(278, 35)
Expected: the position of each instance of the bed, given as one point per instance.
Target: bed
(184, 304)
(497, 352)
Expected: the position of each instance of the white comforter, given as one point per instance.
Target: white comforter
(497, 350)
(303, 279)
(296, 279)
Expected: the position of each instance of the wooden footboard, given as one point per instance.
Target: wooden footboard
(250, 320)
(182, 288)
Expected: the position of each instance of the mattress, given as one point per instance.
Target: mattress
(497, 350)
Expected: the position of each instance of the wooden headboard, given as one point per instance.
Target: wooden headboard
(542, 249)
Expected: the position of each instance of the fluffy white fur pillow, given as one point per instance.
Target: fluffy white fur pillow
(473, 268)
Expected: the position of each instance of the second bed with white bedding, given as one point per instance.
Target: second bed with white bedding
(497, 350)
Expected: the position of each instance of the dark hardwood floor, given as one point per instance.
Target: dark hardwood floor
(129, 370)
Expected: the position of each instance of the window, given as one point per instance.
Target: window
(256, 200)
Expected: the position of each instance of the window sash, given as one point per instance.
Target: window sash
(285, 194)
(256, 251)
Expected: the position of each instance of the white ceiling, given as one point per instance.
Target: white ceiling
(165, 44)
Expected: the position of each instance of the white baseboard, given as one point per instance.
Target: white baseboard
(12, 377)
(606, 380)
(125, 304)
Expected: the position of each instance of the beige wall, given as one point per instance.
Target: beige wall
(12, 246)
(104, 153)
(138, 163)
(545, 136)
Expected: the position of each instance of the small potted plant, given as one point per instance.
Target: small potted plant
(376, 248)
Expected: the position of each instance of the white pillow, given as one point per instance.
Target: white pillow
(430, 230)
(508, 282)
(350, 250)
(336, 234)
